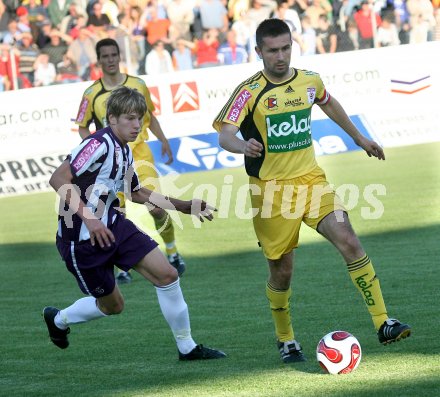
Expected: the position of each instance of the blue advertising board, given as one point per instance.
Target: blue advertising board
(202, 152)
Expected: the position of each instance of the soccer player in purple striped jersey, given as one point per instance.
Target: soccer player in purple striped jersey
(94, 236)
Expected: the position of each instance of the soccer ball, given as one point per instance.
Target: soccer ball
(338, 352)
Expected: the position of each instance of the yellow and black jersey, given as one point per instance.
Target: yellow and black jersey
(93, 105)
(279, 116)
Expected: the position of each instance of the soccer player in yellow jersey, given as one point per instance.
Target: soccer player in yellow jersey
(272, 110)
(93, 109)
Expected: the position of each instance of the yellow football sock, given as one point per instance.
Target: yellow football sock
(365, 280)
(280, 307)
(165, 228)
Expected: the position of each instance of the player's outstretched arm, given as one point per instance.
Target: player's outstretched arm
(336, 112)
(194, 207)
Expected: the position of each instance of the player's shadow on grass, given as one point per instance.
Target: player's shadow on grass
(228, 310)
(323, 298)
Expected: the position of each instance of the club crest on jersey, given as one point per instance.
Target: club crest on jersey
(271, 102)
(311, 94)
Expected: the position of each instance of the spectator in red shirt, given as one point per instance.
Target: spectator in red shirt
(5, 83)
(80, 23)
(365, 26)
(206, 49)
(157, 29)
(10, 67)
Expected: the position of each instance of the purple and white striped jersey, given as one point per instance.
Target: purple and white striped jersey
(100, 165)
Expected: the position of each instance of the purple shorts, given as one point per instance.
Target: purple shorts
(93, 266)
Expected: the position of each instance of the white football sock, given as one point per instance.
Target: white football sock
(175, 311)
(84, 309)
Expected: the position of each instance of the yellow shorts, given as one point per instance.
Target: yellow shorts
(282, 205)
(145, 169)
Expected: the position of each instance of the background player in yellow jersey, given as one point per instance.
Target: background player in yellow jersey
(93, 109)
(272, 110)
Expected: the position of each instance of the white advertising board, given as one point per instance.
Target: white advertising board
(393, 89)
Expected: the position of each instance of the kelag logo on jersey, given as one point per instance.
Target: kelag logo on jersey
(202, 152)
(287, 132)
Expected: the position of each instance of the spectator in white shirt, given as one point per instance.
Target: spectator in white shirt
(45, 71)
(387, 33)
(158, 60)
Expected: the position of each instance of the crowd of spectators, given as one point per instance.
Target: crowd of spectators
(45, 42)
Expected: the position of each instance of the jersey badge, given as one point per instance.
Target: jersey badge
(271, 102)
(311, 94)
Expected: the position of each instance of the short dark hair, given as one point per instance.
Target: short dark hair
(273, 27)
(125, 100)
(105, 43)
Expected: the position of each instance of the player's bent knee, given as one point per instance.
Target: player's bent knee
(352, 241)
(351, 246)
(282, 281)
(280, 275)
(168, 277)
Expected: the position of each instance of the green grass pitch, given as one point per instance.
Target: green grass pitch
(134, 354)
